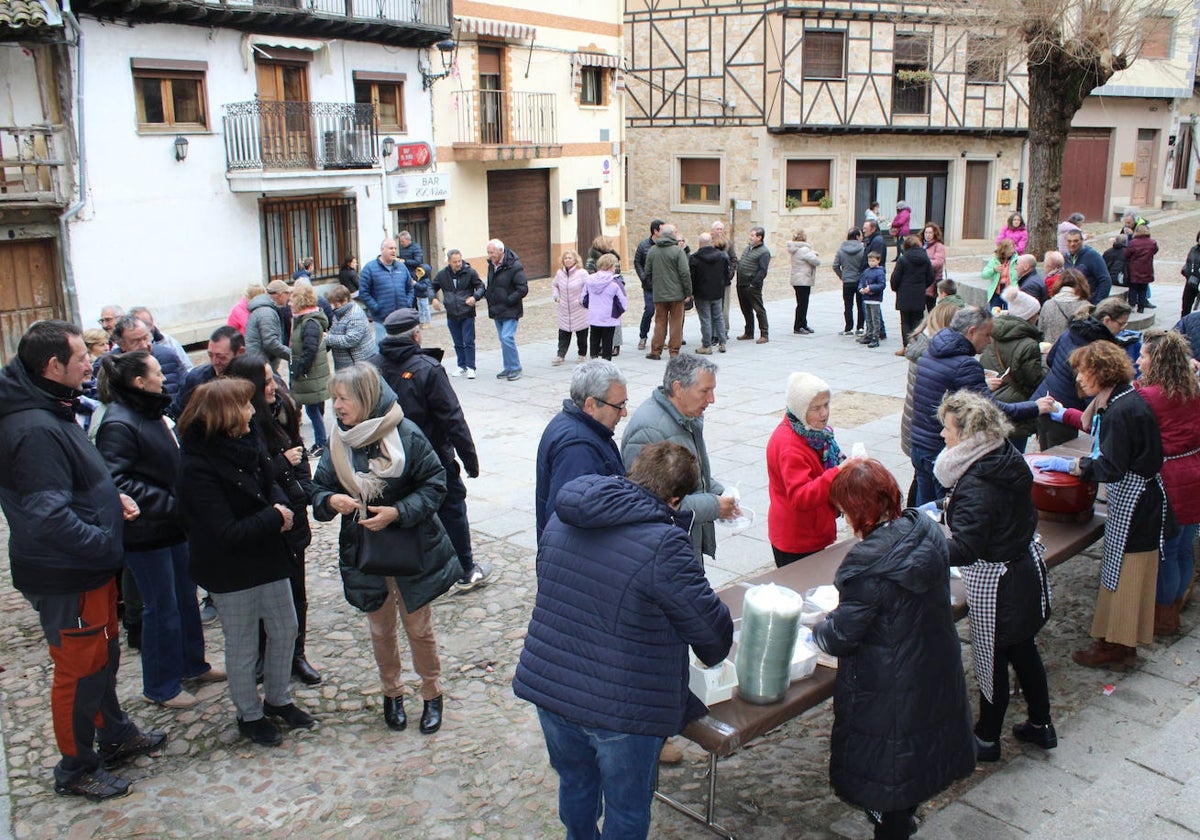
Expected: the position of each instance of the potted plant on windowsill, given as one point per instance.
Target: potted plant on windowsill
(914, 78)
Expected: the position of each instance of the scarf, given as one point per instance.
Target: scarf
(389, 463)
(821, 440)
(953, 462)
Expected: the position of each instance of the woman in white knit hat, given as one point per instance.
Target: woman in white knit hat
(1016, 357)
(802, 460)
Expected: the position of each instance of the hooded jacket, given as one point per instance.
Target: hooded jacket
(264, 330)
(506, 286)
(804, 263)
(1016, 348)
(350, 337)
(620, 598)
(849, 261)
(911, 276)
(901, 719)
(709, 268)
(1060, 379)
(310, 360)
(668, 266)
(63, 510)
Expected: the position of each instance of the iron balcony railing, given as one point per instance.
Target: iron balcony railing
(31, 164)
(300, 135)
(434, 13)
(506, 118)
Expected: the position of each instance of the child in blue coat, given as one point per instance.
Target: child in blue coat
(871, 284)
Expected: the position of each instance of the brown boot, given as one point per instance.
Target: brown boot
(1166, 620)
(1104, 654)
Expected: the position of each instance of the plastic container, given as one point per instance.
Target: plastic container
(767, 643)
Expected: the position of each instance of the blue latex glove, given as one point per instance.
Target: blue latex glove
(1057, 416)
(930, 507)
(1054, 464)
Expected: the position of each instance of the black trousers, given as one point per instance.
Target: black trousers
(801, 320)
(1190, 292)
(852, 306)
(910, 319)
(601, 341)
(1027, 662)
(453, 515)
(750, 300)
(564, 342)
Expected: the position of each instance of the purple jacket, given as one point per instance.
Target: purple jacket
(602, 287)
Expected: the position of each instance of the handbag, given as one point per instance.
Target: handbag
(394, 551)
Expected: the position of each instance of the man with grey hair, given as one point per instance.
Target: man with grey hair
(675, 412)
(579, 440)
(160, 338)
(667, 265)
(1028, 279)
(108, 317)
(949, 365)
(506, 288)
(751, 274)
(385, 286)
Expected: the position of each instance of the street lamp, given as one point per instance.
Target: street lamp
(447, 50)
(389, 146)
(181, 148)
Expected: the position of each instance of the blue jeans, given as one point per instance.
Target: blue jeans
(647, 315)
(1175, 570)
(316, 416)
(380, 331)
(423, 313)
(506, 329)
(712, 322)
(462, 333)
(601, 772)
(928, 488)
(172, 637)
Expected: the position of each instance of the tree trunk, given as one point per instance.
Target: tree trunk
(1049, 125)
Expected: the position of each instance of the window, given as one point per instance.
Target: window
(700, 180)
(593, 83)
(824, 54)
(323, 228)
(985, 56)
(1157, 33)
(807, 182)
(386, 92)
(170, 94)
(910, 84)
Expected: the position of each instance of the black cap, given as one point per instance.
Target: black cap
(401, 321)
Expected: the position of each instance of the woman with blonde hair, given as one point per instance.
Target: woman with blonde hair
(310, 361)
(568, 286)
(241, 310)
(804, 273)
(1000, 270)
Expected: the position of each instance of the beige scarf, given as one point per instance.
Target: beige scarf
(951, 463)
(367, 486)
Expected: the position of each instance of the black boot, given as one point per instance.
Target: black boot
(431, 716)
(306, 673)
(393, 713)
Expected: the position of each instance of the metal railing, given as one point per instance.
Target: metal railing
(300, 135)
(31, 164)
(506, 118)
(433, 13)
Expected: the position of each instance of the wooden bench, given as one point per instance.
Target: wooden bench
(730, 725)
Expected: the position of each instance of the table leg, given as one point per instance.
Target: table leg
(705, 819)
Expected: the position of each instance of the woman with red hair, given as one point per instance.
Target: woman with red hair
(901, 720)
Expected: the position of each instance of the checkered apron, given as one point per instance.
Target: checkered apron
(982, 581)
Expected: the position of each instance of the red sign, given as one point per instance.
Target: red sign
(413, 155)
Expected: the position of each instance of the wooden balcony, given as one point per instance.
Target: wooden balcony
(408, 23)
(505, 125)
(32, 166)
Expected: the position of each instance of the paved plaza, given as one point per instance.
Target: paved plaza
(1126, 766)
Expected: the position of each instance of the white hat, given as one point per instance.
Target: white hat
(802, 389)
(1021, 305)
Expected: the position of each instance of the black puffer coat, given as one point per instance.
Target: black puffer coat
(912, 275)
(902, 722)
(506, 287)
(990, 510)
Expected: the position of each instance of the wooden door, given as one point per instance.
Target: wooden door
(519, 215)
(587, 220)
(491, 95)
(1085, 173)
(975, 195)
(29, 289)
(1144, 166)
(286, 122)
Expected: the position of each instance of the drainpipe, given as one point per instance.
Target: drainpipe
(72, 297)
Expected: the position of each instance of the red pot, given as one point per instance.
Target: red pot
(1059, 492)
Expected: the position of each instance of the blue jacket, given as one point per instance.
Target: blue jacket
(1189, 325)
(573, 444)
(874, 279)
(620, 599)
(384, 289)
(1060, 379)
(950, 365)
(1092, 264)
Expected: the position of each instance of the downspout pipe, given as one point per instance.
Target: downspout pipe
(68, 272)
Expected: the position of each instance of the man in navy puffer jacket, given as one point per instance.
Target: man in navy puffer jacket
(620, 598)
(950, 365)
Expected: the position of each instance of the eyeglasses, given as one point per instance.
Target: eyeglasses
(618, 406)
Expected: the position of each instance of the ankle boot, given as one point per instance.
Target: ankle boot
(431, 716)
(1103, 654)
(305, 672)
(393, 713)
(1166, 620)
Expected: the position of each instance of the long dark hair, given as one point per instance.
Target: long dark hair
(278, 424)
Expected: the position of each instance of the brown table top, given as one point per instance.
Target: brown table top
(731, 724)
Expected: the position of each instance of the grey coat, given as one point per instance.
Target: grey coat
(264, 330)
(657, 419)
(351, 337)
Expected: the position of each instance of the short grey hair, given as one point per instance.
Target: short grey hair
(970, 318)
(452, 252)
(592, 379)
(495, 243)
(360, 382)
(668, 228)
(705, 239)
(686, 369)
(1075, 218)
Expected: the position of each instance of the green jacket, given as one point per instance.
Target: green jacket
(668, 265)
(417, 494)
(310, 359)
(1015, 348)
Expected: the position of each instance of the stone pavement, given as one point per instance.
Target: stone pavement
(485, 773)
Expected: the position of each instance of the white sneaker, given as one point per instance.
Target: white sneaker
(470, 373)
(459, 371)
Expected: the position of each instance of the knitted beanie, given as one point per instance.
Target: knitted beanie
(1021, 305)
(802, 389)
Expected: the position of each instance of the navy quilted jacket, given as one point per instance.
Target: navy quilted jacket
(620, 599)
(1060, 379)
(950, 365)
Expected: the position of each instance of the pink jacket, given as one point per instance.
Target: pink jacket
(602, 287)
(1019, 237)
(572, 316)
(239, 315)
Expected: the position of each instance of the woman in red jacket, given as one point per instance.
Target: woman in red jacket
(1168, 386)
(1139, 262)
(802, 461)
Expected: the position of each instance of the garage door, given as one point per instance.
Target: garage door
(29, 289)
(519, 215)
(1085, 173)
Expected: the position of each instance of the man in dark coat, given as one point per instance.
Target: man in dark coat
(710, 278)
(639, 265)
(461, 291)
(620, 600)
(1028, 279)
(873, 241)
(1088, 260)
(579, 440)
(65, 518)
(131, 333)
(506, 287)
(751, 275)
(911, 276)
(424, 392)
